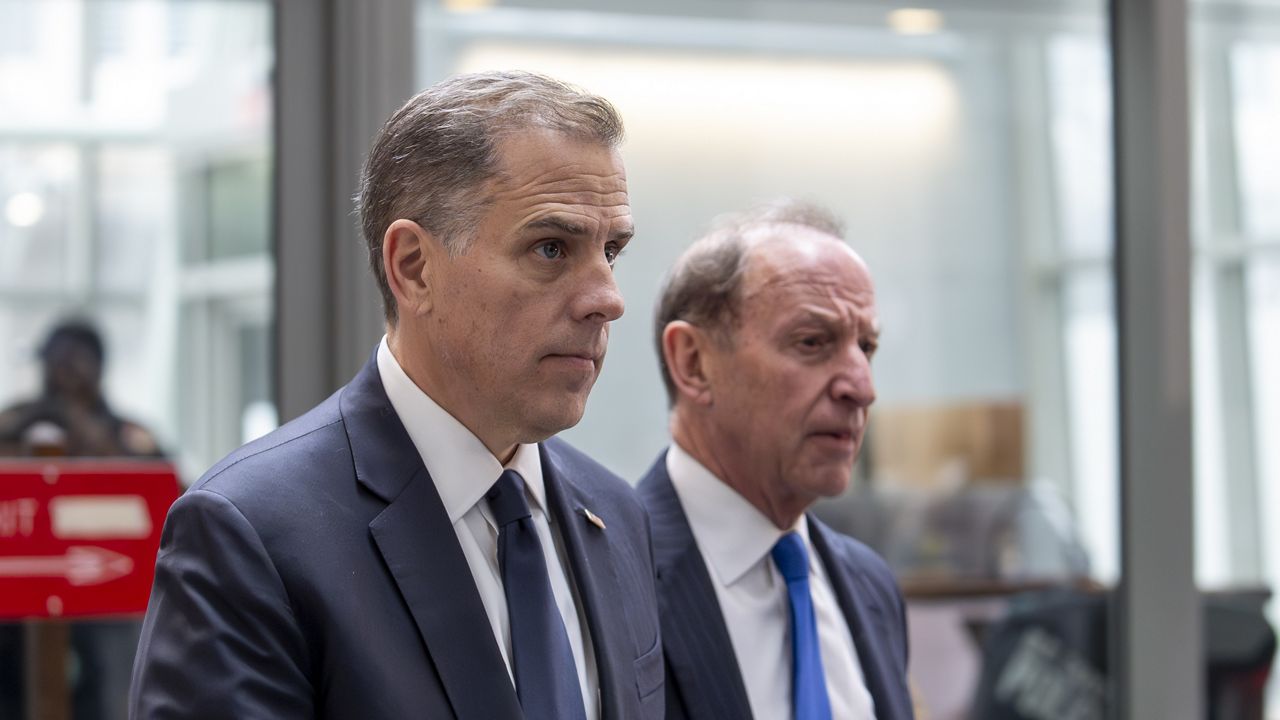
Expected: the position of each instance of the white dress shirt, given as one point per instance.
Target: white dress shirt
(463, 470)
(735, 540)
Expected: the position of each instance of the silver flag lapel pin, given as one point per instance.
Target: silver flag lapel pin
(592, 518)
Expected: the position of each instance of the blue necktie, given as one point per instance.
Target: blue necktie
(541, 658)
(808, 682)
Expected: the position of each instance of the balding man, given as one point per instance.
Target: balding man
(766, 329)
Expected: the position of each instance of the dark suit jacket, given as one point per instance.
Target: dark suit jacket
(314, 573)
(703, 680)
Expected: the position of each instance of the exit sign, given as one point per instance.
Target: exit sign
(79, 537)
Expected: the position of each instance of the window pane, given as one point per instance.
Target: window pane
(135, 213)
(40, 188)
(1256, 86)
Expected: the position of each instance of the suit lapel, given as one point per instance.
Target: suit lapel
(592, 564)
(421, 550)
(866, 620)
(699, 653)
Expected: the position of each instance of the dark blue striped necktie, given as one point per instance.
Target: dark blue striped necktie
(541, 658)
(808, 680)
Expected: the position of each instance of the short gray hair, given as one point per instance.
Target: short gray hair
(432, 157)
(704, 287)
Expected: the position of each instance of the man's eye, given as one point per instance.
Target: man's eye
(550, 251)
(868, 347)
(612, 253)
(813, 341)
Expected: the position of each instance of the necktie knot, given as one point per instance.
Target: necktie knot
(791, 557)
(506, 499)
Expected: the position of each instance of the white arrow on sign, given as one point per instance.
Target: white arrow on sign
(80, 566)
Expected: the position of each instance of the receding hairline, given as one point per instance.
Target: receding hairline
(786, 237)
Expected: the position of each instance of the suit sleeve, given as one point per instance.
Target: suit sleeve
(219, 639)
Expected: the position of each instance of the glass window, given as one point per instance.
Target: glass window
(1236, 109)
(135, 172)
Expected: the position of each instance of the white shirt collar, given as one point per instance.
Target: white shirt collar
(732, 533)
(461, 466)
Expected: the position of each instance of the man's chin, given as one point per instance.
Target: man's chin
(830, 482)
(545, 422)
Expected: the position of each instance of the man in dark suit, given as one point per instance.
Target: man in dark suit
(765, 331)
(416, 546)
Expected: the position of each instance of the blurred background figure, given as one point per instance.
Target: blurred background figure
(71, 417)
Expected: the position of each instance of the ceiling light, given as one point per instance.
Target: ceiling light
(466, 6)
(915, 21)
(24, 209)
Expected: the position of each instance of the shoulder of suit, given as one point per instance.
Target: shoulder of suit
(307, 441)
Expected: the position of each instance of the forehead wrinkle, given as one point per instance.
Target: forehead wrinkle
(506, 180)
(572, 199)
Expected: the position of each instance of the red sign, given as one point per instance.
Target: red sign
(79, 537)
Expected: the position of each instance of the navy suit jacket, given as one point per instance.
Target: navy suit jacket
(314, 573)
(703, 679)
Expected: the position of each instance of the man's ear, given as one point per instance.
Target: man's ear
(409, 255)
(689, 354)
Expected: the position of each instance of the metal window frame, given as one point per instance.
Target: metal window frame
(343, 66)
(1157, 641)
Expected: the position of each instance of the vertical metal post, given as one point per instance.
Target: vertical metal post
(342, 67)
(1159, 657)
(373, 76)
(303, 232)
(48, 694)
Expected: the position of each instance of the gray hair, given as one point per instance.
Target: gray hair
(704, 287)
(432, 157)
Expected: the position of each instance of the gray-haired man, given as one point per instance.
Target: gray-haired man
(417, 546)
(765, 330)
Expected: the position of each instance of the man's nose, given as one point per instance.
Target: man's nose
(853, 383)
(598, 298)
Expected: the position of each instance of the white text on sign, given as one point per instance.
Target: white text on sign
(17, 517)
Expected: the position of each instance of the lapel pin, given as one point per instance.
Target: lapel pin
(592, 518)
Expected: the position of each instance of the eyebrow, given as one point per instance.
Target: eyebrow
(825, 318)
(568, 227)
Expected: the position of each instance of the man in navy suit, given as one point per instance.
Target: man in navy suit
(765, 331)
(416, 545)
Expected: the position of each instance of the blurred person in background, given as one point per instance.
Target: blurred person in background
(419, 545)
(71, 416)
(765, 331)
